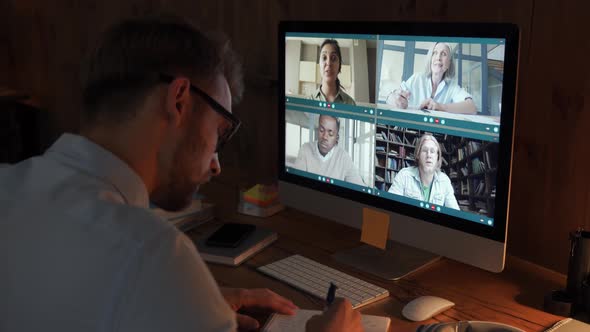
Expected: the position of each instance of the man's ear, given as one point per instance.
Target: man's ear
(177, 102)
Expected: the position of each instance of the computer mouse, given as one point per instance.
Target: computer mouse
(468, 326)
(424, 307)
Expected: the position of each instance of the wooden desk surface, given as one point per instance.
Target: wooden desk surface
(11, 95)
(513, 297)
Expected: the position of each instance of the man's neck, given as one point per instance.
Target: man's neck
(426, 177)
(135, 149)
(327, 153)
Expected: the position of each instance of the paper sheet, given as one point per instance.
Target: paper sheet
(284, 323)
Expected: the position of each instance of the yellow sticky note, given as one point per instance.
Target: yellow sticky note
(375, 228)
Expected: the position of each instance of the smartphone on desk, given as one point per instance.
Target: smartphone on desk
(230, 235)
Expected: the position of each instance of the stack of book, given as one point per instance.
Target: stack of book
(464, 205)
(197, 213)
(464, 171)
(464, 188)
(473, 147)
(260, 201)
(392, 163)
(478, 166)
(481, 207)
(259, 239)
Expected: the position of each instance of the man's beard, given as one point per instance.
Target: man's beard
(178, 193)
(176, 196)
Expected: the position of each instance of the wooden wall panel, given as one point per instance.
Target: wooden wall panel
(550, 176)
(550, 196)
(6, 61)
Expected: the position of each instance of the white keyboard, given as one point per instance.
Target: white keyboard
(314, 278)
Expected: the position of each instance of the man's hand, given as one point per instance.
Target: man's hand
(239, 298)
(340, 317)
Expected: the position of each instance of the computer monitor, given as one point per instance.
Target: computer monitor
(418, 124)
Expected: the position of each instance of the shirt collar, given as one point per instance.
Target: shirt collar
(327, 156)
(439, 89)
(319, 95)
(416, 175)
(85, 155)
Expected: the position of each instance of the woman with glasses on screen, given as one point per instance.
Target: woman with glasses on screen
(436, 88)
(330, 66)
(426, 182)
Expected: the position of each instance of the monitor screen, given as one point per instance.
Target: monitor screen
(413, 118)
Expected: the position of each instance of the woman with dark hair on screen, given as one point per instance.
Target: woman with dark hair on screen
(426, 182)
(436, 88)
(330, 66)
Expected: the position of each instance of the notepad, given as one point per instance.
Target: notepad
(285, 323)
(569, 325)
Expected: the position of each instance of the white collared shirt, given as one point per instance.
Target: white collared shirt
(81, 251)
(407, 183)
(325, 158)
(420, 87)
(336, 164)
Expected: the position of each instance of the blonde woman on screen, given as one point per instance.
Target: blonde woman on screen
(436, 88)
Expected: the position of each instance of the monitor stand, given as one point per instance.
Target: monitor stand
(393, 263)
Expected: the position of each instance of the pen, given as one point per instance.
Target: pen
(397, 92)
(331, 294)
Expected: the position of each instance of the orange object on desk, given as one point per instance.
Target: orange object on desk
(261, 195)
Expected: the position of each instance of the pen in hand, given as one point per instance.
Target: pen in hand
(398, 92)
(331, 294)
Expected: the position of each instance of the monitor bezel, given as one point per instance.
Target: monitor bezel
(507, 31)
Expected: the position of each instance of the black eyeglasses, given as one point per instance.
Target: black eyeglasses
(233, 120)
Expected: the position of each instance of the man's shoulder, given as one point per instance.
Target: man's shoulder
(408, 171)
(442, 177)
(106, 228)
(308, 147)
(341, 152)
(105, 221)
(18, 171)
(131, 223)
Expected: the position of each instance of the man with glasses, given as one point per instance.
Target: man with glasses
(79, 248)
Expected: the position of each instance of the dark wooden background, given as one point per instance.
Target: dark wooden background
(42, 42)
